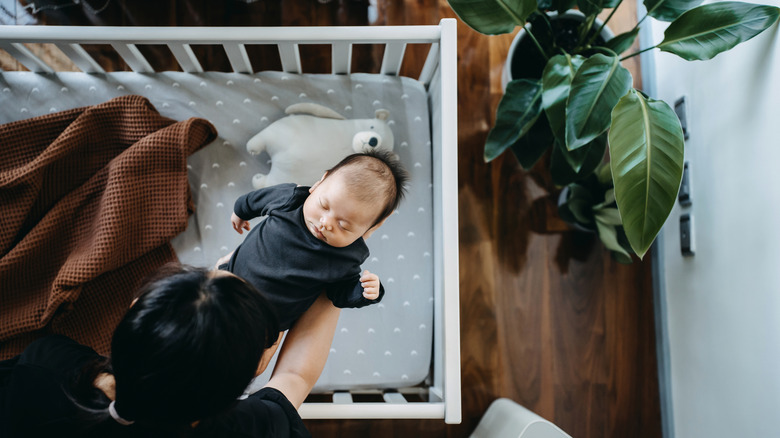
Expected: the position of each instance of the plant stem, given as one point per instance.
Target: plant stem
(604, 50)
(538, 46)
(546, 18)
(604, 24)
(647, 14)
(637, 53)
(585, 30)
(549, 25)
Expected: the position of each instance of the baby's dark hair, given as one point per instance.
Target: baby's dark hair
(374, 175)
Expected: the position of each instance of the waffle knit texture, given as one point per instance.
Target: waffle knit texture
(89, 200)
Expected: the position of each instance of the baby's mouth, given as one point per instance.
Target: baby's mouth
(317, 233)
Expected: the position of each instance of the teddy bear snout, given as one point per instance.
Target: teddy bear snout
(365, 141)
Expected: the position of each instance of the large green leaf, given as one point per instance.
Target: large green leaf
(609, 198)
(562, 6)
(584, 160)
(608, 233)
(668, 10)
(622, 42)
(517, 111)
(556, 82)
(646, 150)
(531, 147)
(599, 83)
(608, 216)
(493, 17)
(589, 7)
(563, 162)
(708, 30)
(580, 202)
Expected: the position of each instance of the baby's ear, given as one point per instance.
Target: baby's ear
(371, 230)
(311, 189)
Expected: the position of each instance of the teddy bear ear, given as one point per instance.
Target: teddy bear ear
(382, 114)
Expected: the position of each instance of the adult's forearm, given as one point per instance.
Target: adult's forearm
(305, 351)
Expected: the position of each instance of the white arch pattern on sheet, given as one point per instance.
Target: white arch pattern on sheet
(382, 346)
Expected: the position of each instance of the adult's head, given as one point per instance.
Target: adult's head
(354, 197)
(189, 345)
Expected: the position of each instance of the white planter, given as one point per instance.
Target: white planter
(606, 34)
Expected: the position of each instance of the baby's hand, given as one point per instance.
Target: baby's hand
(370, 283)
(239, 223)
(224, 259)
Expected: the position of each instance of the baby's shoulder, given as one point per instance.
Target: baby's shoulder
(286, 197)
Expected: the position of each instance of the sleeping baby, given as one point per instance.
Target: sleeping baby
(313, 238)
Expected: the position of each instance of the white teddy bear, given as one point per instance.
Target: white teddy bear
(312, 139)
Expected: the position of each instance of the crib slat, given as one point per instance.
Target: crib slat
(26, 57)
(431, 62)
(341, 58)
(394, 398)
(238, 57)
(291, 57)
(133, 57)
(80, 57)
(186, 58)
(342, 398)
(391, 61)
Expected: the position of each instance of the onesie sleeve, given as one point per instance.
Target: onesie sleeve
(262, 201)
(349, 294)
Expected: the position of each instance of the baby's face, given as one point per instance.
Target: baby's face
(335, 217)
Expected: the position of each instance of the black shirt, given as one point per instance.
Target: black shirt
(291, 267)
(33, 401)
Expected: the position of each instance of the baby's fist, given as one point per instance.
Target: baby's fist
(370, 283)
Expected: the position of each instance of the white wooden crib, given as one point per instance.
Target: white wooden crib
(439, 395)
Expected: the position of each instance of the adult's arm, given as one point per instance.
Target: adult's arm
(305, 351)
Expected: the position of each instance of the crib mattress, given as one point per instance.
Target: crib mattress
(387, 345)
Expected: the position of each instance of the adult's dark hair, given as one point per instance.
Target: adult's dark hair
(375, 174)
(188, 347)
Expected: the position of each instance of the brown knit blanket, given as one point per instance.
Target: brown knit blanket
(89, 199)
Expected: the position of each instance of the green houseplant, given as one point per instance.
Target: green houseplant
(583, 104)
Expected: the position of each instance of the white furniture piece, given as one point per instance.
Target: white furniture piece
(507, 419)
(716, 276)
(438, 396)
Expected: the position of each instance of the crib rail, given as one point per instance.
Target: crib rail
(233, 40)
(414, 402)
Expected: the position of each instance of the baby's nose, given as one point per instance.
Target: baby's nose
(325, 223)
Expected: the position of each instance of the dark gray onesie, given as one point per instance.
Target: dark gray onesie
(290, 266)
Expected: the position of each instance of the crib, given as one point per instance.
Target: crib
(437, 395)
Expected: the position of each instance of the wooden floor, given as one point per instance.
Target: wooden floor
(548, 318)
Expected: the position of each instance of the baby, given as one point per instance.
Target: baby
(313, 238)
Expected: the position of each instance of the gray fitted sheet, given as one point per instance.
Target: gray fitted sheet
(382, 346)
